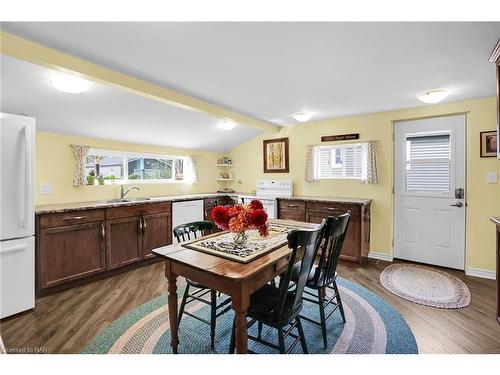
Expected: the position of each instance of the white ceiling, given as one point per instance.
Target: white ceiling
(108, 113)
(271, 70)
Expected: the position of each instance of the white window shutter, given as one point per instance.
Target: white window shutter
(428, 163)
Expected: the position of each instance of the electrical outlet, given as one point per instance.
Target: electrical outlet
(46, 188)
(491, 177)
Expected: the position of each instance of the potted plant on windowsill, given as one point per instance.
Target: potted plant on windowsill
(91, 178)
(100, 180)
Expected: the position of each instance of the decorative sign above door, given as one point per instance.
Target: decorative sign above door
(340, 137)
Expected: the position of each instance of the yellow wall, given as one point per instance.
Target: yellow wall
(55, 165)
(483, 198)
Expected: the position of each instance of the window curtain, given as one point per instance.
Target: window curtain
(80, 153)
(369, 173)
(193, 166)
(310, 172)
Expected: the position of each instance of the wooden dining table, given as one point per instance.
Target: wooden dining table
(234, 279)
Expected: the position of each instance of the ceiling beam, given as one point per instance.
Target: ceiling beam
(21, 48)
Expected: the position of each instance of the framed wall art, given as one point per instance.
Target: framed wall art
(276, 155)
(488, 144)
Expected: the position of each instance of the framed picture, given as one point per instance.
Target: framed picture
(276, 155)
(488, 144)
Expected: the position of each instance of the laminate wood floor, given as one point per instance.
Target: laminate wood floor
(65, 322)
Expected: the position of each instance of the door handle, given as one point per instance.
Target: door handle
(458, 204)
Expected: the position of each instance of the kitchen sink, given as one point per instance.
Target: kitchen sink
(137, 199)
(125, 200)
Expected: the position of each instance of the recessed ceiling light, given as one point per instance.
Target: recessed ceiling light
(226, 125)
(433, 96)
(69, 83)
(302, 116)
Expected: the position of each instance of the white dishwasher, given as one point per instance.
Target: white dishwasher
(186, 212)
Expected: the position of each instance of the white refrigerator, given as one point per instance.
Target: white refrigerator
(17, 216)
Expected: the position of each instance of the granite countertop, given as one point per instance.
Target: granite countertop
(312, 198)
(78, 206)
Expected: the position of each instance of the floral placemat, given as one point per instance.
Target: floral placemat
(222, 244)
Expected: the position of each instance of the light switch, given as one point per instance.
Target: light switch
(492, 177)
(46, 188)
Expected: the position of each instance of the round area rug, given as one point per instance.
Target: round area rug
(425, 286)
(373, 326)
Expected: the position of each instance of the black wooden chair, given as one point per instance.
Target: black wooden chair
(186, 232)
(323, 275)
(279, 307)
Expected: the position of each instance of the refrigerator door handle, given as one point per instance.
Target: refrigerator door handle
(27, 177)
(13, 249)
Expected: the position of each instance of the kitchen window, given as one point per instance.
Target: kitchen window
(339, 162)
(127, 167)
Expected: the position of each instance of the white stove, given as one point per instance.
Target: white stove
(267, 192)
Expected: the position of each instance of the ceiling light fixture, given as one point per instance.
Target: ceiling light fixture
(302, 116)
(69, 83)
(226, 125)
(433, 96)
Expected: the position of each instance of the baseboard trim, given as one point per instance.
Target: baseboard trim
(478, 272)
(380, 256)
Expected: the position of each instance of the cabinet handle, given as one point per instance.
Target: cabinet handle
(139, 223)
(103, 231)
(292, 205)
(144, 225)
(74, 218)
(334, 209)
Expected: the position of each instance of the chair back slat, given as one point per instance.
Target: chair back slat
(184, 232)
(300, 241)
(331, 245)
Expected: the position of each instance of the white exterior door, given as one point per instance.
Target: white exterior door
(429, 195)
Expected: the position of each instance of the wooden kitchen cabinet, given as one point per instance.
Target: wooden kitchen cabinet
(156, 232)
(72, 251)
(123, 241)
(351, 249)
(84, 244)
(132, 232)
(292, 210)
(208, 206)
(357, 240)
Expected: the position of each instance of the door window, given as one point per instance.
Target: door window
(428, 162)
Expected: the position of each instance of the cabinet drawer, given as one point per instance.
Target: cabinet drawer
(137, 210)
(70, 218)
(332, 208)
(292, 215)
(294, 205)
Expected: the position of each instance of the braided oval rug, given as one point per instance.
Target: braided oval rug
(425, 286)
(373, 326)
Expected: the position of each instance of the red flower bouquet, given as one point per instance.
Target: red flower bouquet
(240, 218)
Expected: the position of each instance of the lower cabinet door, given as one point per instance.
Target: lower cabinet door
(351, 249)
(69, 253)
(156, 233)
(124, 241)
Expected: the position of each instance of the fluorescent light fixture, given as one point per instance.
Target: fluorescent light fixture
(226, 125)
(433, 96)
(69, 83)
(302, 116)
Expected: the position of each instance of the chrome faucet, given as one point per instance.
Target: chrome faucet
(124, 192)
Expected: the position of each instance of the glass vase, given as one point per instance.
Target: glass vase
(240, 238)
